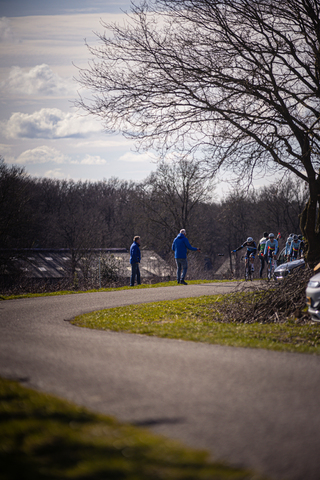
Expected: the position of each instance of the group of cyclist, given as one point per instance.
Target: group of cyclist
(268, 247)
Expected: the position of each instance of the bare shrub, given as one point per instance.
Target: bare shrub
(275, 303)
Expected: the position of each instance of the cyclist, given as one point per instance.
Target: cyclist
(260, 249)
(251, 251)
(271, 247)
(288, 248)
(295, 248)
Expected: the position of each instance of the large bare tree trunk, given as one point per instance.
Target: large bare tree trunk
(310, 224)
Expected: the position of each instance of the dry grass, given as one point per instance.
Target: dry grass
(276, 303)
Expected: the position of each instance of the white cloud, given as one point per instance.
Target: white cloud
(39, 80)
(49, 123)
(56, 174)
(6, 32)
(93, 160)
(120, 141)
(43, 154)
(133, 157)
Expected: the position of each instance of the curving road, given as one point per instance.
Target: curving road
(252, 408)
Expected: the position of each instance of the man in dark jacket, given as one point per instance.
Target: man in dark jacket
(180, 246)
(260, 250)
(135, 257)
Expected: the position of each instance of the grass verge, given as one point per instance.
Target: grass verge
(42, 437)
(72, 292)
(196, 319)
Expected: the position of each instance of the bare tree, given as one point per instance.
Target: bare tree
(233, 82)
(18, 222)
(279, 207)
(172, 192)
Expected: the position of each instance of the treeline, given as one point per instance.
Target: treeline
(45, 213)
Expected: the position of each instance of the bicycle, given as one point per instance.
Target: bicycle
(247, 269)
(271, 266)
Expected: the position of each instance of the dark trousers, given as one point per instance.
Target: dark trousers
(261, 258)
(135, 271)
(182, 264)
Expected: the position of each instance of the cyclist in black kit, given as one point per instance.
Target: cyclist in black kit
(251, 251)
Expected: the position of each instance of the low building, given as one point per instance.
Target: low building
(94, 265)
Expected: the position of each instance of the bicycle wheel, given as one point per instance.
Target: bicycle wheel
(269, 270)
(272, 269)
(247, 272)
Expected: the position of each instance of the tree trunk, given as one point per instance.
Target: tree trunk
(310, 224)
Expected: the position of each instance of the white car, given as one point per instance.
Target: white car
(313, 297)
(285, 268)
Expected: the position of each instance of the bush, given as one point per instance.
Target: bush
(276, 303)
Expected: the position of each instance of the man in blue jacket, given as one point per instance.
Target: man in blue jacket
(135, 257)
(180, 246)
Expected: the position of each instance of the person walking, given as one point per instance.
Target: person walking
(135, 257)
(180, 246)
(260, 249)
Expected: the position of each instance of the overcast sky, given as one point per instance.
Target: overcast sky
(40, 41)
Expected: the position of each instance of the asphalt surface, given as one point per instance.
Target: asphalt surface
(251, 408)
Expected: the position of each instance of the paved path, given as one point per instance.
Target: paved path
(252, 408)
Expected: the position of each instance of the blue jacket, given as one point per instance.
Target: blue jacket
(180, 246)
(135, 255)
(271, 247)
(295, 246)
(288, 248)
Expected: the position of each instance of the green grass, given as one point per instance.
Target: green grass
(43, 438)
(193, 319)
(72, 292)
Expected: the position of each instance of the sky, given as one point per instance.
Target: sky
(41, 41)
